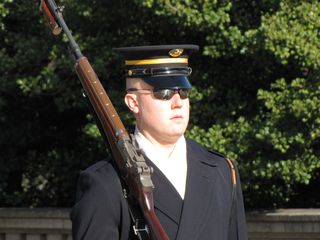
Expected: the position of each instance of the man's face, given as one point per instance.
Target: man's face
(163, 121)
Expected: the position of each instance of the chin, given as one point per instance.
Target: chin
(178, 132)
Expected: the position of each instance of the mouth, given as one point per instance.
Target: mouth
(176, 117)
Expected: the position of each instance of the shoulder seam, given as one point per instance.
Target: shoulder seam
(233, 172)
(231, 166)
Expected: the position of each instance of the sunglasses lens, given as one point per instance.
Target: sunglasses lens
(184, 93)
(167, 94)
(163, 94)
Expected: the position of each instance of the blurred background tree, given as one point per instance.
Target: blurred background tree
(256, 95)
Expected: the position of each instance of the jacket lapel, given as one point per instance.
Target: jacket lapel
(191, 213)
(166, 198)
(199, 195)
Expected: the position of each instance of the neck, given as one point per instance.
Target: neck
(166, 145)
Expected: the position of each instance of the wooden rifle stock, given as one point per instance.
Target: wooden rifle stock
(131, 165)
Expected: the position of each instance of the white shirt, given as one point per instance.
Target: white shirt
(173, 167)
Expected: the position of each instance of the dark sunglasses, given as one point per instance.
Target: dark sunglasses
(165, 94)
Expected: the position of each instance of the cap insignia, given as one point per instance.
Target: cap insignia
(175, 52)
(130, 72)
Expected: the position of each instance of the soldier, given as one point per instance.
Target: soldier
(197, 192)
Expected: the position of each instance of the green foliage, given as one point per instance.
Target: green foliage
(256, 92)
(292, 126)
(292, 33)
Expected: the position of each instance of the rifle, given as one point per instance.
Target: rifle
(131, 165)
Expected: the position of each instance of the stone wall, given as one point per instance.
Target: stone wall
(302, 224)
(34, 224)
(54, 224)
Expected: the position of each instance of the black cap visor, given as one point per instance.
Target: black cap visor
(168, 82)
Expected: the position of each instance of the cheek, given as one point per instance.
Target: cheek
(159, 112)
(148, 109)
(156, 114)
(187, 114)
(186, 107)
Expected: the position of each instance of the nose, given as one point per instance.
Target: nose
(176, 101)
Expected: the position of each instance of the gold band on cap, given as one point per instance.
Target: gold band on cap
(156, 61)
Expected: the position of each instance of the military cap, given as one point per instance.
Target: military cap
(161, 66)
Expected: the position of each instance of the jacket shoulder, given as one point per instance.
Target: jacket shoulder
(211, 155)
(100, 175)
(100, 207)
(214, 158)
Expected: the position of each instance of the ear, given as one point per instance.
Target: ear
(132, 103)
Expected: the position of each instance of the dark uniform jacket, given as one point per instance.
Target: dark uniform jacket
(207, 212)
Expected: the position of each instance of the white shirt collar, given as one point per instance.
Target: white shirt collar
(173, 167)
